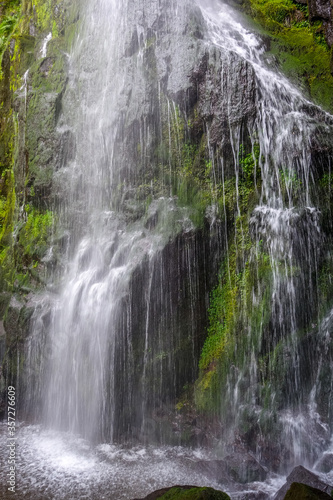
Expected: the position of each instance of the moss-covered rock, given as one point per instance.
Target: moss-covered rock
(303, 479)
(34, 39)
(187, 493)
(305, 492)
(301, 41)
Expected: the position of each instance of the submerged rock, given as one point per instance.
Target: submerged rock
(305, 492)
(301, 475)
(187, 493)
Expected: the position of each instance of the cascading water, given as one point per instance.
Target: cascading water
(115, 348)
(114, 339)
(285, 225)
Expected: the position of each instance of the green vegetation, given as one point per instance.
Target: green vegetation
(303, 491)
(26, 169)
(196, 180)
(7, 208)
(238, 314)
(298, 45)
(8, 22)
(36, 232)
(7, 26)
(178, 493)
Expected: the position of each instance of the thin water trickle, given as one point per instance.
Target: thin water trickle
(43, 50)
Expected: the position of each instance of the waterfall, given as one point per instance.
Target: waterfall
(286, 229)
(110, 355)
(189, 153)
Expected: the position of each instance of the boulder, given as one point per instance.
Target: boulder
(301, 475)
(301, 491)
(187, 493)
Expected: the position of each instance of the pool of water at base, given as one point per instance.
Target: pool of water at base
(61, 466)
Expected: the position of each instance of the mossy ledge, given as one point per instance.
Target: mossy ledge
(300, 44)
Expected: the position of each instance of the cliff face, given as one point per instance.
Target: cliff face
(221, 173)
(34, 40)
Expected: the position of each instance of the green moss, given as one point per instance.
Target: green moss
(272, 13)
(240, 305)
(305, 492)
(7, 26)
(7, 209)
(34, 235)
(307, 62)
(236, 321)
(43, 9)
(178, 493)
(195, 178)
(8, 22)
(298, 45)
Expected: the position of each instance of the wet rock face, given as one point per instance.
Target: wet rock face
(175, 285)
(226, 91)
(167, 69)
(320, 9)
(179, 69)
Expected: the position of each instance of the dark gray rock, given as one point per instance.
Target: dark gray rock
(319, 9)
(304, 476)
(46, 65)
